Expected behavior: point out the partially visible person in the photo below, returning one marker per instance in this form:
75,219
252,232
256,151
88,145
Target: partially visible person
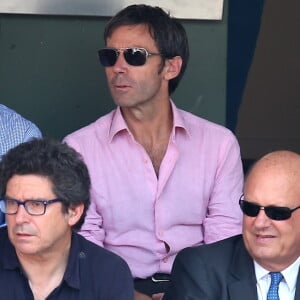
44,189
162,178
263,262
14,129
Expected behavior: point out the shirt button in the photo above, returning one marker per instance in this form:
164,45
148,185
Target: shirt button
165,260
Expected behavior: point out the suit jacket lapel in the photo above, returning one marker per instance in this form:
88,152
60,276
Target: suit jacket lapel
242,284
297,294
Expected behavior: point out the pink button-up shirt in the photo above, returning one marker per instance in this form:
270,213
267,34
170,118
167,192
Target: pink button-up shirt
135,214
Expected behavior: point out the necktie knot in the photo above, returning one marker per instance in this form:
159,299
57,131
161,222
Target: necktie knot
276,277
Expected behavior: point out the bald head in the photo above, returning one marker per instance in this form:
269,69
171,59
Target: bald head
278,170
274,181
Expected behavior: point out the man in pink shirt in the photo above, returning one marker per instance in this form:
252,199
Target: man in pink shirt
162,178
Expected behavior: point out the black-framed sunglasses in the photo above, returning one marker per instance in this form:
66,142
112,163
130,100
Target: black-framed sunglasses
134,56
33,207
277,213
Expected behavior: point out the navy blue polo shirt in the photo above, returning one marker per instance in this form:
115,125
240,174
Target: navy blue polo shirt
92,273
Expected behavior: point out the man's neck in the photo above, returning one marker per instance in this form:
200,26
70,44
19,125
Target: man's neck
151,128
149,122
44,272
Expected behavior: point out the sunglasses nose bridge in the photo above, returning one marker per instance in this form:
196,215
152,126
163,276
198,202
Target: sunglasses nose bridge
261,221
257,210
262,217
260,209
120,58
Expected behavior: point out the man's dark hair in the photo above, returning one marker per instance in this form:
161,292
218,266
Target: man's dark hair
61,164
169,35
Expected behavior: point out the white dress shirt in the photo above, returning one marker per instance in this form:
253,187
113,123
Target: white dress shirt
287,286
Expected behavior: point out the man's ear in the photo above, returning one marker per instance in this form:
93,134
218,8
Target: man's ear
74,214
172,67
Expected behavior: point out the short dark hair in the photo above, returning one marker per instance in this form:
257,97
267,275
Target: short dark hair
169,35
57,161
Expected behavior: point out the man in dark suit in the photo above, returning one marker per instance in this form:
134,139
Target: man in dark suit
247,266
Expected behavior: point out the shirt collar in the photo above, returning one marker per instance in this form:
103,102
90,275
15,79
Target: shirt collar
72,273
118,123
289,274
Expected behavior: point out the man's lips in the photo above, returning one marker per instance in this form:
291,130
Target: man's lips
120,86
23,234
121,83
264,237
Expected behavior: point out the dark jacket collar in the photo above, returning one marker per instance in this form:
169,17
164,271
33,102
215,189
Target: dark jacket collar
243,274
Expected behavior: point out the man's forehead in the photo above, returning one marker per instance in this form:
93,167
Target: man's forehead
29,186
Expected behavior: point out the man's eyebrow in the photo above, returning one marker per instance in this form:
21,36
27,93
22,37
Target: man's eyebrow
5,197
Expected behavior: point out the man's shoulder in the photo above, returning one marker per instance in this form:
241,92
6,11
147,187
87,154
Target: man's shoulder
196,123
216,250
10,114
229,243
102,272
98,127
13,121
97,254
6,110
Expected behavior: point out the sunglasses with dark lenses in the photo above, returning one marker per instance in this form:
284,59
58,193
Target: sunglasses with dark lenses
278,213
134,56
